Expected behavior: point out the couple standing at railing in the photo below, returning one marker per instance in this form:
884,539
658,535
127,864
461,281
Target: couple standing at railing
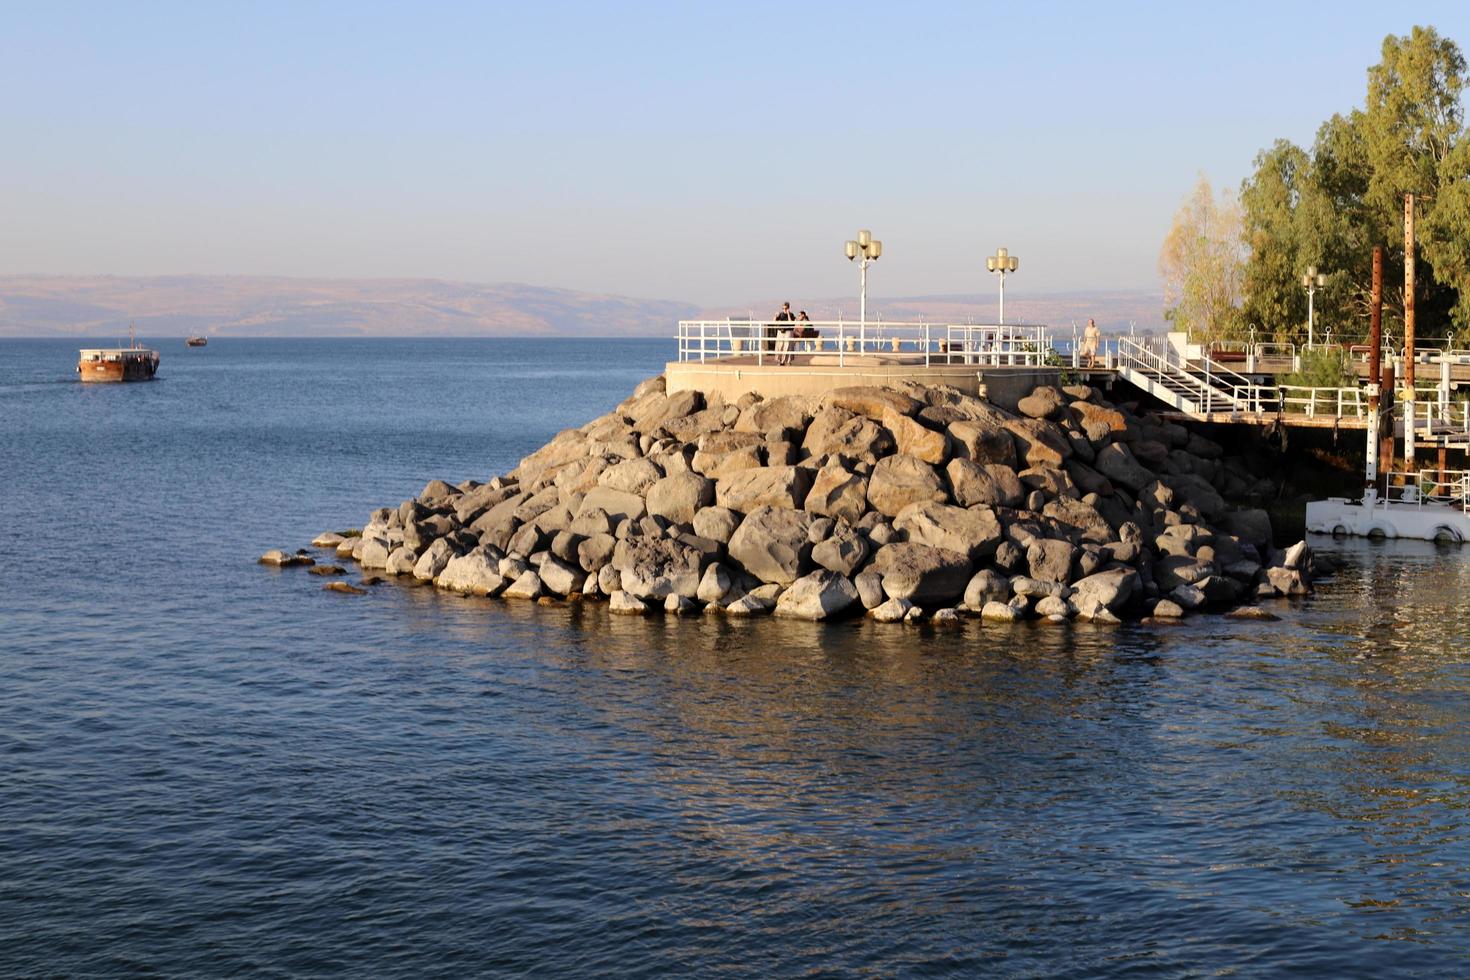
789,326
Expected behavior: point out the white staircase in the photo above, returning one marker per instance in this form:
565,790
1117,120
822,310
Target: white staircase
1210,388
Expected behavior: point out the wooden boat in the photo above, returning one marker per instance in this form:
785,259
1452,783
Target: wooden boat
196,341
131,363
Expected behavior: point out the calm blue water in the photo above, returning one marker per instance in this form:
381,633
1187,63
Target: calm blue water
208,767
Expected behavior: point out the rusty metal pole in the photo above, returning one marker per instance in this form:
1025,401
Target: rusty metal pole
1409,332
1375,366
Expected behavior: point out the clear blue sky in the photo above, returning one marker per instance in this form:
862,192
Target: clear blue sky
708,152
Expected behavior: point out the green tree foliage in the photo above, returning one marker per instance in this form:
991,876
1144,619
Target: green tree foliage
1329,206
1201,263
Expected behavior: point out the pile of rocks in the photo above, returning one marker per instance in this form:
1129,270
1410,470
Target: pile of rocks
908,502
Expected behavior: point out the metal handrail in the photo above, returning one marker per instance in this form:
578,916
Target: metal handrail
1018,344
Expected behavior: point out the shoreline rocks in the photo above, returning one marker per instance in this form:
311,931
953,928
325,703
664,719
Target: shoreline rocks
903,502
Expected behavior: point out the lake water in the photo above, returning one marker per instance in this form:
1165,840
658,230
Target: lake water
209,767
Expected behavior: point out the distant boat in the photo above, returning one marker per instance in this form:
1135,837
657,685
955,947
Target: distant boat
197,341
131,363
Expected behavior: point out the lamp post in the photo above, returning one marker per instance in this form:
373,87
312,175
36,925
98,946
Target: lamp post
869,249
1001,263
1312,280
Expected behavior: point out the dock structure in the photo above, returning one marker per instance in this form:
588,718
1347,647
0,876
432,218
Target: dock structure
1225,383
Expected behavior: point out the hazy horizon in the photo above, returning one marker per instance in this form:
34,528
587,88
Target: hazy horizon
655,150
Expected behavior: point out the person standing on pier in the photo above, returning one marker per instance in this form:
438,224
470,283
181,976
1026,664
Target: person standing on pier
782,331
1090,338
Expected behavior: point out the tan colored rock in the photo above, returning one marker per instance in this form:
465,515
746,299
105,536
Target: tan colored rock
773,544
1038,442
617,504
916,440
983,484
839,494
768,486
680,497
920,573
872,401
974,532
716,465
899,481
983,441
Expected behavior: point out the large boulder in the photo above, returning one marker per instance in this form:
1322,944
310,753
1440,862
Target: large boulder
1109,589
1098,421
431,563
595,551
375,552
920,573
915,439
786,412
1044,402
843,551
716,523
773,544
401,561
1038,442
987,585
1050,560
680,497
1080,519
1174,570
899,481
716,465
970,531
838,493
560,578
1116,462
1196,490
837,431
769,486
1251,524
656,568
983,484
476,573
820,595
619,505
984,440
872,401
631,475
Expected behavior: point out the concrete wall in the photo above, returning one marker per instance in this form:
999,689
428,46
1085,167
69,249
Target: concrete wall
1003,386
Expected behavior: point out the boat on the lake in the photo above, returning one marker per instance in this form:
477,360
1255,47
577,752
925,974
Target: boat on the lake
196,341
130,363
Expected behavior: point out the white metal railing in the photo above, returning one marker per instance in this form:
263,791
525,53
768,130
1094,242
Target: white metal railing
1444,488
1443,421
1215,388
1329,402
768,341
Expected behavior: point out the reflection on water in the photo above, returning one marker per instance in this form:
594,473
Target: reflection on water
212,767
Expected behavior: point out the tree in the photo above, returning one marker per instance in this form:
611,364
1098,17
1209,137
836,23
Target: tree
1330,206
1201,262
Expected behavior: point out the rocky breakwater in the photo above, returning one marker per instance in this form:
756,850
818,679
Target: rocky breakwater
908,502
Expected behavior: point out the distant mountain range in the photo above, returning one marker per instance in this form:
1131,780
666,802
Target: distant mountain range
264,306
268,306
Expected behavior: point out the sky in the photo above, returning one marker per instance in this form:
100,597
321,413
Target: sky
710,153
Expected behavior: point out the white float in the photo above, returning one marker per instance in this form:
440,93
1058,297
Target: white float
1427,508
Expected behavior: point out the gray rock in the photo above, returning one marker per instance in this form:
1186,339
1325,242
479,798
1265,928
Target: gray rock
680,606
750,605
595,551
609,580
528,586
375,552
1288,581
820,595
715,585
974,532
843,552
922,574
773,544
986,585
401,561
1187,597
716,523
1000,612
1172,570
431,563
895,610
654,568
1252,524
1050,560
475,573
870,589
1051,606
1111,588
838,432
1117,463
622,604
560,578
